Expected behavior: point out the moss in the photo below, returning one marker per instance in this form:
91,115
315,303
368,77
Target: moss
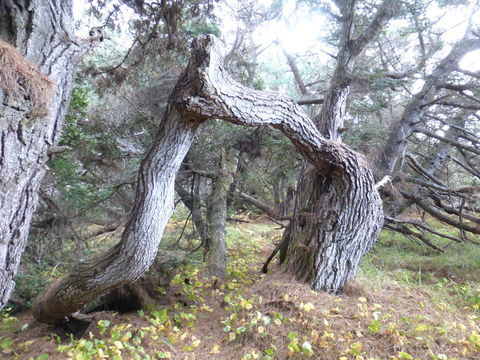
20,79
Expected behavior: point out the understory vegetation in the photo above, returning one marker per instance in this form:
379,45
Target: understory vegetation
301,145
408,302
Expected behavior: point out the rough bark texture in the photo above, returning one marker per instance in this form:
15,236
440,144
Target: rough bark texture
331,231
41,31
216,247
136,251
144,291
352,211
203,92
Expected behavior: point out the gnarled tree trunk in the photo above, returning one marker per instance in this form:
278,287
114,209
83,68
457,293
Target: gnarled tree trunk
31,115
204,92
396,143
330,232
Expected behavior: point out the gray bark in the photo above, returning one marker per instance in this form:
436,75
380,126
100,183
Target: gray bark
42,32
216,247
136,251
192,201
204,92
429,169
409,122
324,241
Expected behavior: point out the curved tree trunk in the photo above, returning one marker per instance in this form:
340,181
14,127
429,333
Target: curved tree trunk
323,245
396,144
136,251
30,117
204,92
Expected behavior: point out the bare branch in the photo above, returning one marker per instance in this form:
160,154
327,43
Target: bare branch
450,141
440,215
310,101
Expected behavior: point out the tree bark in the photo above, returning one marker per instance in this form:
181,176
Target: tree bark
136,251
323,244
41,31
216,247
203,92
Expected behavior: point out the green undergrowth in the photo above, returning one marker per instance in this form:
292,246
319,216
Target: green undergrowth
402,307
453,274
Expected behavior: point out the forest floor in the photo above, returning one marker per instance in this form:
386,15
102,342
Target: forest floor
407,302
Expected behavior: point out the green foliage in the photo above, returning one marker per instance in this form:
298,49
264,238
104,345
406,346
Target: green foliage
33,278
211,26
72,133
289,326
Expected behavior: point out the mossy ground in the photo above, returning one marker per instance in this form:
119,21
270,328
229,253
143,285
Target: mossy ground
408,302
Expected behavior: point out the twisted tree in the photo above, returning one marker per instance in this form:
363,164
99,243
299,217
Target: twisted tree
205,91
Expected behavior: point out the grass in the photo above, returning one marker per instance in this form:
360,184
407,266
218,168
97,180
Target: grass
458,261
406,303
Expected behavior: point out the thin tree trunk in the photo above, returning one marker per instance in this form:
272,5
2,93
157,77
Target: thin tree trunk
396,144
205,91
193,201
216,247
430,167
42,31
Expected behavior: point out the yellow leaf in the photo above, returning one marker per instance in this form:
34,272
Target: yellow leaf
286,297
118,344
126,337
27,343
195,343
245,304
362,299
231,336
308,306
421,327
260,329
215,349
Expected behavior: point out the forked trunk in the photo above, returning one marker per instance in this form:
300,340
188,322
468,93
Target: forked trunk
337,212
